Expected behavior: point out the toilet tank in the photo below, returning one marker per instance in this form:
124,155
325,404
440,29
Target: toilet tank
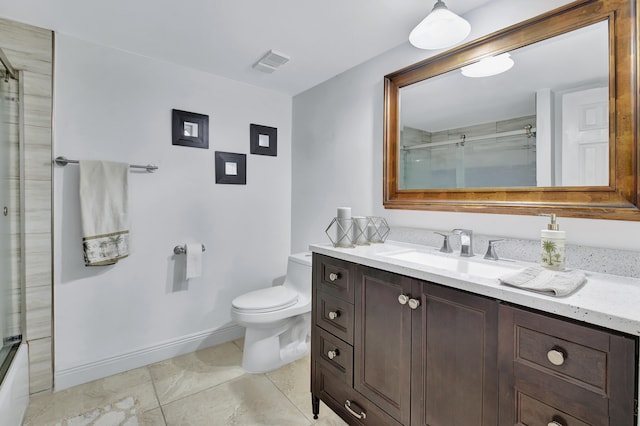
299,273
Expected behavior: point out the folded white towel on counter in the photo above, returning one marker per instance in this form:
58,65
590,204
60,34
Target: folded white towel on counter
104,211
537,278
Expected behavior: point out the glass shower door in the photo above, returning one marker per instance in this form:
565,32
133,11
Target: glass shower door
9,290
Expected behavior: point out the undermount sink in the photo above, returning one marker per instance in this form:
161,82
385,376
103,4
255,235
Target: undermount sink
469,266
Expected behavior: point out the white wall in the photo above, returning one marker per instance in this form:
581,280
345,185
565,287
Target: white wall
116,106
338,152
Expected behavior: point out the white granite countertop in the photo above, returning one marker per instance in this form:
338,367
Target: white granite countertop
609,301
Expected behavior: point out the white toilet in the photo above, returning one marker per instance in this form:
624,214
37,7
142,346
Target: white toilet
277,319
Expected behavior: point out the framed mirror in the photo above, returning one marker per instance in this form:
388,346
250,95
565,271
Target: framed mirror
555,130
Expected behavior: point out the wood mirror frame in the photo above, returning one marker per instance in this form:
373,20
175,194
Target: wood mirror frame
618,201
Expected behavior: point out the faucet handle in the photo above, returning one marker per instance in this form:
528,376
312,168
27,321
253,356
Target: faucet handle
446,247
491,250
459,231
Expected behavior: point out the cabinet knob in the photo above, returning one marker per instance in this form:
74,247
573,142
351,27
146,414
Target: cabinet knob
414,303
556,356
403,299
348,405
334,314
333,276
333,354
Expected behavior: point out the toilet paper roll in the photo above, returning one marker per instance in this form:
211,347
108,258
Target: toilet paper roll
194,260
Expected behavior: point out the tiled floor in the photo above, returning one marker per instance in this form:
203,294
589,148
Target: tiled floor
208,387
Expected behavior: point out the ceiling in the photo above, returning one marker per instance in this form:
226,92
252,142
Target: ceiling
226,37
451,101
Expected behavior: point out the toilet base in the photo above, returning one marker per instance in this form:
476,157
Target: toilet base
267,349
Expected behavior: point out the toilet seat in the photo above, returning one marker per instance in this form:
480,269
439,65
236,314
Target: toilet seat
266,300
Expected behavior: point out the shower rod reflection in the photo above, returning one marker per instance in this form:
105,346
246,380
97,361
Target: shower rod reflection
62,161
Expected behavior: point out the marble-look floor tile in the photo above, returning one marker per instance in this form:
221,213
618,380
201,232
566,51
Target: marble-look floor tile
153,418
191,373
239,343
46,409
251,400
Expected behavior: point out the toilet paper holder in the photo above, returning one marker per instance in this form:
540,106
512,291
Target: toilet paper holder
183,249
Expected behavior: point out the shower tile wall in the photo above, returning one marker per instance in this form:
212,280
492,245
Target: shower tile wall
31,49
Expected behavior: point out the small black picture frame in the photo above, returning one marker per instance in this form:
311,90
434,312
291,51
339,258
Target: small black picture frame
190,129
231,168
263,140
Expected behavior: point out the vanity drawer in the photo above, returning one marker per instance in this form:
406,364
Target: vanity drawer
562,348
565,396
335,315
333,276
334,355
554,355
354,408
532,412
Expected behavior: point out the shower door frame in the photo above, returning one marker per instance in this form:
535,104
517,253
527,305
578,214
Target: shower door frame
12,74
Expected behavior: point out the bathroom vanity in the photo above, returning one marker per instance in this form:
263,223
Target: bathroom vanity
405,335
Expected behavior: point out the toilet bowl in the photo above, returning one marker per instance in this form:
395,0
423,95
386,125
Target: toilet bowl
277,319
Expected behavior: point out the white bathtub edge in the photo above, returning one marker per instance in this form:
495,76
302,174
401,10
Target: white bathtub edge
14,390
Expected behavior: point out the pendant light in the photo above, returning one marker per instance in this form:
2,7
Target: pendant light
440,29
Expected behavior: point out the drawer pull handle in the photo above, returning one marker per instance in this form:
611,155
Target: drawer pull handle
557,421
362,414
333,354
556,356
403,299
414,303
333,276
334,314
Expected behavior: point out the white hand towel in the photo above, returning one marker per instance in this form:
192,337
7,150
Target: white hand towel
104,211
537,278
194,260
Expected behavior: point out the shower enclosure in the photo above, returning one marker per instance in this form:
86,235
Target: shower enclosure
11,294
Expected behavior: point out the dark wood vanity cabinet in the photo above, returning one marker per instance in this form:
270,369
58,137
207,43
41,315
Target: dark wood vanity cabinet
392,350
421,354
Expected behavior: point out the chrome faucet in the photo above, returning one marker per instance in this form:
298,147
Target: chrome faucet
466,241
491,250
446,247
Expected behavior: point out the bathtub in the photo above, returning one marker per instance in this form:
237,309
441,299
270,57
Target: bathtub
14,389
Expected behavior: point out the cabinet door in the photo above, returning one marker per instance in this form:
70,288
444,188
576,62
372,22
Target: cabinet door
382,344
454,362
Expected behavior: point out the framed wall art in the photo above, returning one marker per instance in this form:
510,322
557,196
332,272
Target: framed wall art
231,168
263,140
190,129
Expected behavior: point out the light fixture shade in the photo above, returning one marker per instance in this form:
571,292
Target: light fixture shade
486,67
440,29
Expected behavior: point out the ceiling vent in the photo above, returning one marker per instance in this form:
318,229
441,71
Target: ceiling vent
271,61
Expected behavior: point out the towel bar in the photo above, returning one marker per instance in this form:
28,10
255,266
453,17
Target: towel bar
62,161
183,249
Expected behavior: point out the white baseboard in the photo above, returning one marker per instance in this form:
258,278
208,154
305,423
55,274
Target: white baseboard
69,377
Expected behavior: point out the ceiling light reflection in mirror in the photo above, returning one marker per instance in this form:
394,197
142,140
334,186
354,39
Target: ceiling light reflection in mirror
543,123
486,67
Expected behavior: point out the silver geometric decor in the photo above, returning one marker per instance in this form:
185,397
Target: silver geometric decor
359,230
